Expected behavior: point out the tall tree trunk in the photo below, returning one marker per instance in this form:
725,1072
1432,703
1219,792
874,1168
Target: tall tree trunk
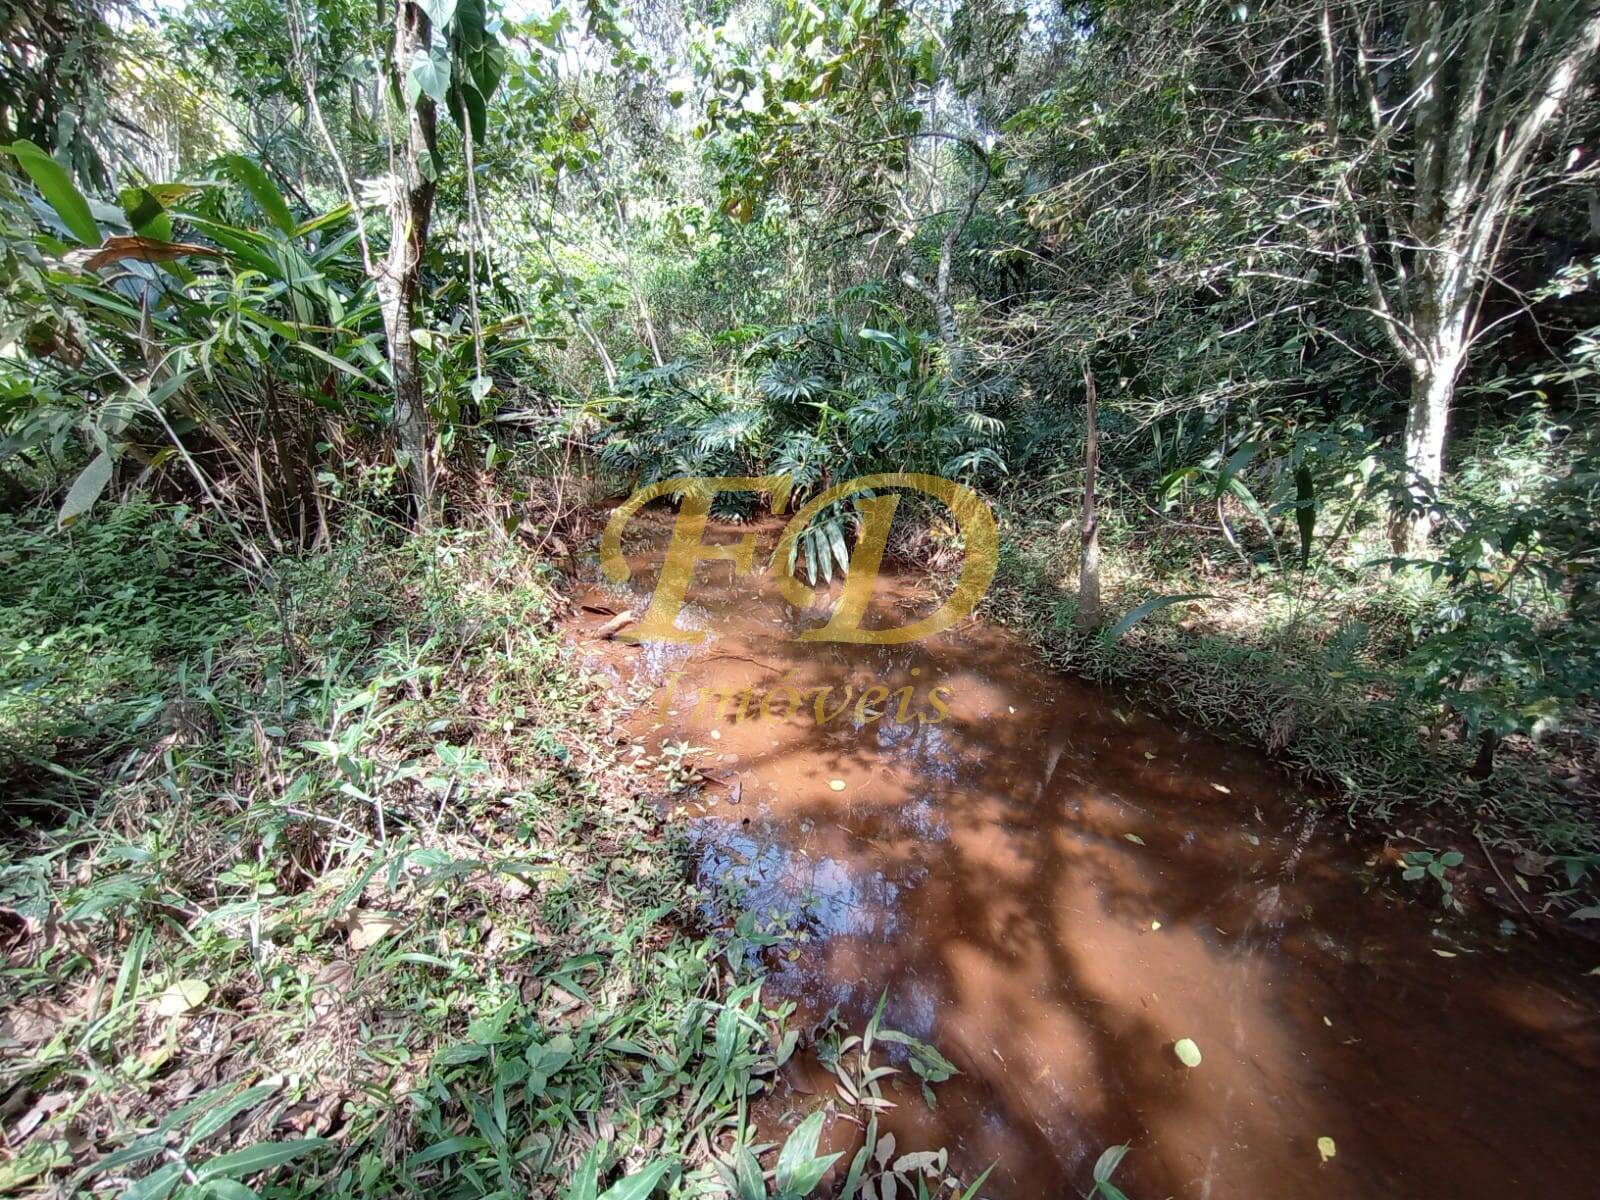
400,274
1433,385
1089,556
1441,333
1486,84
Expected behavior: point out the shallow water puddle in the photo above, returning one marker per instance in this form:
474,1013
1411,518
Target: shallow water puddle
1055,887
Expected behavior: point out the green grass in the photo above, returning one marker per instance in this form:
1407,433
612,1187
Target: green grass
344,885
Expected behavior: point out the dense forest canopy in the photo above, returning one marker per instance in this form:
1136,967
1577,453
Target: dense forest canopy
1271,329
1326,261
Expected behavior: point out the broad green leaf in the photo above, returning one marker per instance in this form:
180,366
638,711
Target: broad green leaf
799,1170
637,1187
215,1119
58,190
1237,461
444,1149
926,1060
250,246
748,1183
241,1164
136,1151
85,489
331,217
585,1184
146,214
439,12
429,74
1305,510
858,1165
336,362
157,1185
1154,605
248,173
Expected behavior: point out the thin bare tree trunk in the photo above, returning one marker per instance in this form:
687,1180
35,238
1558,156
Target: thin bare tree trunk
583,323
400,274
633,282
938,292
1089,557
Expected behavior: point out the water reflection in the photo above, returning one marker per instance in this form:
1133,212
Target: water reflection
1053,887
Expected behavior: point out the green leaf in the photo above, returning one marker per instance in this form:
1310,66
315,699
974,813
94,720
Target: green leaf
444,1149
1153,605
972,1192
241,1164
585,1183
430,74
215,1119
58,190
747,1181
145,213
248,174
1305,510
799,1170
1106,1165
926,1061
439,12
637,1187
335,361
136,1151
858,1165
86,489
248,248
1237,461
228,1189
312,224
1173,479
156,1185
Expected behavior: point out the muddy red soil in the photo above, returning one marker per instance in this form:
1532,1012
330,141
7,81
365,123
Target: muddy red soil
1053,886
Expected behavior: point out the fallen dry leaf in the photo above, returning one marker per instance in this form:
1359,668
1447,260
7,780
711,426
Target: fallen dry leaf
367,928
32,1021
333,980
181,997
49,1103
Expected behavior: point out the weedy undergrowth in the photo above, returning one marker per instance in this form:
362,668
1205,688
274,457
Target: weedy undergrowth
344,885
